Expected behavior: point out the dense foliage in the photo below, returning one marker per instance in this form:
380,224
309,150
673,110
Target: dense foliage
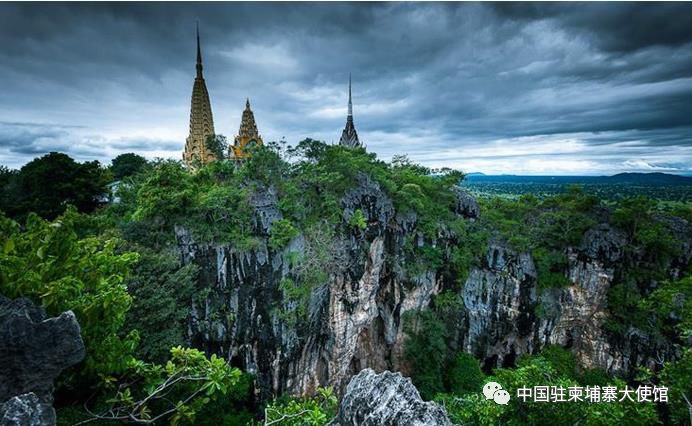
473,408
161,289
47,185
48,263
315,411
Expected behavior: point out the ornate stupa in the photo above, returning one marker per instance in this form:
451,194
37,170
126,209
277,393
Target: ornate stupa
247,135
349,137
201,122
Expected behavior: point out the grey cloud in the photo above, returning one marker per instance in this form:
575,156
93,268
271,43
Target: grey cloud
619,27
426,76
27,138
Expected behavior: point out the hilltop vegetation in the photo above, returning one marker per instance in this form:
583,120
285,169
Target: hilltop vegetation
117,267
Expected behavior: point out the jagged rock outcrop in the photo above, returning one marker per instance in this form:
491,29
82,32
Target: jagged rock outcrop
386,399
26,410
352,319
499,299
466,205
33,351
506,315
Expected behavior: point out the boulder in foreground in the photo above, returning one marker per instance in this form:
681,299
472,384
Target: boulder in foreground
386,399
33,351
26,410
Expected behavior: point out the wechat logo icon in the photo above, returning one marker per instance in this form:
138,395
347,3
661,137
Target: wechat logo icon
494,391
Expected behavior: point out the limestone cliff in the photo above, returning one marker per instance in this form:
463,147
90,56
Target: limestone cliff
353,319
506,315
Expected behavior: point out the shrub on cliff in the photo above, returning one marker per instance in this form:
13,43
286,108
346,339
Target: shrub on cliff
464,375
551,223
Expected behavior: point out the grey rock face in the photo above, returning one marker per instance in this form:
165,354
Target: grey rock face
33,349
507,316
26,410
604,243
682,230
467,205
368,197
352,320
386,399
264,203
500,301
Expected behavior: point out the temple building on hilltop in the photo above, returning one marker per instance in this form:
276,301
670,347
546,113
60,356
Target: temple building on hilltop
196,153
349,137
248,135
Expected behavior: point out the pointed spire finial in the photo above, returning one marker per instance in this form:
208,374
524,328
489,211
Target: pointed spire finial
350,105
247,103
199,55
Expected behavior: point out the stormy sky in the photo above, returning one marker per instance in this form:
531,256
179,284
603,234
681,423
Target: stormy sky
519,88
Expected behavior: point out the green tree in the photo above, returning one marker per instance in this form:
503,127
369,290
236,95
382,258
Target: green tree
222,213
677,375
175,392
538,371
9,190
282,233
128,164
166,195
47,185
551,268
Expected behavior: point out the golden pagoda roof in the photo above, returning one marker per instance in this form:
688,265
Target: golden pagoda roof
247,134
248,127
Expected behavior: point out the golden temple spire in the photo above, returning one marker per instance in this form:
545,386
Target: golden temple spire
196,153
199,55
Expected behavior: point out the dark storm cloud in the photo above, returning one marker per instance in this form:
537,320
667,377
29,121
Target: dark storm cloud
465,85
618,27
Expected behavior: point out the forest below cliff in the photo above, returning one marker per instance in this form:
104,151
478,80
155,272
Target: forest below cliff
252,294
